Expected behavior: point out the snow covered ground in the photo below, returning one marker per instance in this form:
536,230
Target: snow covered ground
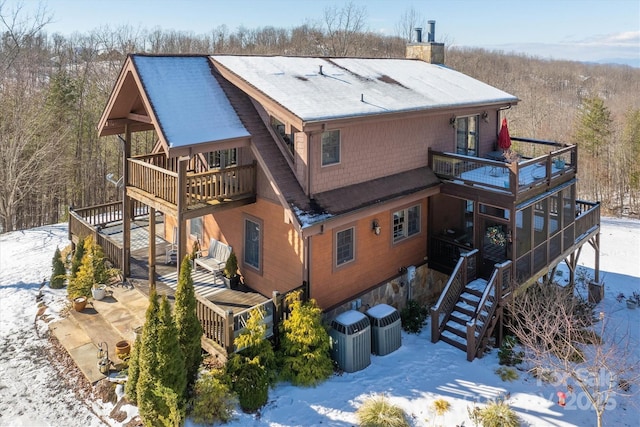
33,391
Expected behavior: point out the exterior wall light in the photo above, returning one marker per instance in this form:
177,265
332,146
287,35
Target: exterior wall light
375,227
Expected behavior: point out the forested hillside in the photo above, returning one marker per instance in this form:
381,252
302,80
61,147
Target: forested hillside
53,89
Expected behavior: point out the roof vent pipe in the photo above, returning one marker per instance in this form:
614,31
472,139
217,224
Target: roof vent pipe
431,37
418,35
321,70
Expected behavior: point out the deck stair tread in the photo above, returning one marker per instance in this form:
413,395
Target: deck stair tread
464,311
453,340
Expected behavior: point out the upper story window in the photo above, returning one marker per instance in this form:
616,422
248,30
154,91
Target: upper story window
281,130
195,228
223,158
344,246
330,147
406,223
467,135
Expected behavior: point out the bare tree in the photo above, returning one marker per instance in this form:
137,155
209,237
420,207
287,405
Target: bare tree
565,344
409,21
343,28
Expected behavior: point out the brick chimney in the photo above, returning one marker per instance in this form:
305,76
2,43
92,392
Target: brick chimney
430,51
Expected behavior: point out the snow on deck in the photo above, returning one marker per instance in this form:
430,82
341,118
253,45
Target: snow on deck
317,89
187,100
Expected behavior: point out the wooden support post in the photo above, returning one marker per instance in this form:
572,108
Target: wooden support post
277,316
596,246
181,208
471,341
152,248
229,332
126,204
435,325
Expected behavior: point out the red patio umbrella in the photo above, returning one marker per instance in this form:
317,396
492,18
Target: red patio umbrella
504,140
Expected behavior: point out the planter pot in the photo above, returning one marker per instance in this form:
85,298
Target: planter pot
79,303
98,292
122,349
631,304
231,282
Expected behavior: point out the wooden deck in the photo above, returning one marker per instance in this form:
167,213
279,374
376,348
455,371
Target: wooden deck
205,284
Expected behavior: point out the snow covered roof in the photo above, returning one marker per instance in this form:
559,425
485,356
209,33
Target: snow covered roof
187,100
316,89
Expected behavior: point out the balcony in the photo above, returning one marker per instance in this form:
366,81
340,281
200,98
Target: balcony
171,188
542,165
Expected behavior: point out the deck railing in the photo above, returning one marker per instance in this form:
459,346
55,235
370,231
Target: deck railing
153,179
512,178
223,326
587,219
196,164
480,326
81,228
108,213
464,271
219,184
217,324
199,188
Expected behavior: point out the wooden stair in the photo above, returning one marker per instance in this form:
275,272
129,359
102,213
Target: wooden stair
455,329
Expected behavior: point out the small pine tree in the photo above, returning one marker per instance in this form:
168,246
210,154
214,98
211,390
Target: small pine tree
171,408
171,368
249,381
76,260
133,372
305,344
253,344
92,270
213,400
58,271
148,362
187,323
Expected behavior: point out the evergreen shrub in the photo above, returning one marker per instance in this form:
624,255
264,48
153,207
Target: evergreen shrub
413,317
304,353
250,381
58,271
213,402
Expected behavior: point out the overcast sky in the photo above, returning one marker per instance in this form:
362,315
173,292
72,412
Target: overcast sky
584,30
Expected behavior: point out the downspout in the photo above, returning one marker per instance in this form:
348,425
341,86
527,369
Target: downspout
309,157
306,273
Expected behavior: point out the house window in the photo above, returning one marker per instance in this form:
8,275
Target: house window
195,228
406,223
467,135
223,158
330,147
252,243
280,129
344,246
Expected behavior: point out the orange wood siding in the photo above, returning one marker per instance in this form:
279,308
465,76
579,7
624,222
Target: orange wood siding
301,166
377,259
373,150
282,249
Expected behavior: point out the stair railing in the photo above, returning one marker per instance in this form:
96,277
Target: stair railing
491,298
452,291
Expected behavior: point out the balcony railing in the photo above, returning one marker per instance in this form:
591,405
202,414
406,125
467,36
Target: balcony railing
199,188
587,219
516,178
